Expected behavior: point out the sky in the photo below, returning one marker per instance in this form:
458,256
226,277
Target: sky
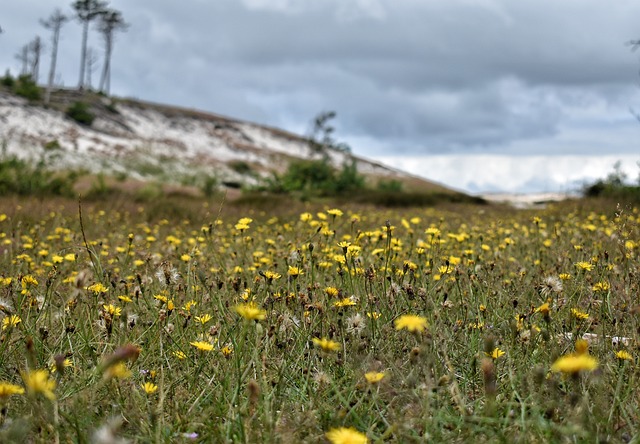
481,95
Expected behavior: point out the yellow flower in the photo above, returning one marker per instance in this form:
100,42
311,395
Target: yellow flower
575,363
226,351
346,302
179,354
204,318
601,286
496,353
10,321
251,312
624,355
374,377
97,288
112,310
346,435
335,212
202,345
295,271
118,371
579,314
587,266
544,309
331,291
411,322
149,388
326,344
7,390
271,275
38,381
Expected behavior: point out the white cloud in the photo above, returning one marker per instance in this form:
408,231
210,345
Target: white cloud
514,174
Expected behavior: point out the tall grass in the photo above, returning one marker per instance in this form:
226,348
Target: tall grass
402,326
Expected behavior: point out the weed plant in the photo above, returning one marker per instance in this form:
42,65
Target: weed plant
332,325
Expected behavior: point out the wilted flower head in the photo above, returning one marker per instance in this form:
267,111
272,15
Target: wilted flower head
550,284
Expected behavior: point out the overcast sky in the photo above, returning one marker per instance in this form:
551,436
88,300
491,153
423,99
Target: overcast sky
413,82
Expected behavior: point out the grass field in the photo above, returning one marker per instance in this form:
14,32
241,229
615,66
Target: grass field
214,323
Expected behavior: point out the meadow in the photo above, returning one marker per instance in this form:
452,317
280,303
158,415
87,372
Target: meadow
318,323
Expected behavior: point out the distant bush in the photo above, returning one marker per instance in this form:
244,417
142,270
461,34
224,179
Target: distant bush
52,145
240,167
316,178
26,87
209,186
393,199
614,186
392,185
79,112
20,177
8,80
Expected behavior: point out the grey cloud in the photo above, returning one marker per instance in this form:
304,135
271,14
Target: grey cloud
414,75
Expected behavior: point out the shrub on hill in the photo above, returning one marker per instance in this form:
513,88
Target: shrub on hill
317,178
79,112
26,87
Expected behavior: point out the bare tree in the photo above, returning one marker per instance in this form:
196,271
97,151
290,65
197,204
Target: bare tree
110,22
92,61
53,23
23,58
86,12
35,47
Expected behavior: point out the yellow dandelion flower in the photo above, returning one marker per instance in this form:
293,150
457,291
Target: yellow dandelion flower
271,275
602,286
226,351
7,390
412,323
10,321
117,371
373,315
112,310
38,381
335,212
179,354
564,276
294,271
204,318
580,315
251,312
544,309
624,355
97,288
575,363
586,266
496,353
326,344
374,377
331,291
346,435
149,388
202,345
346,302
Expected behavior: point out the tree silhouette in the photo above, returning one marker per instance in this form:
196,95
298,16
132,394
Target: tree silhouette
110,22
86,11
53,23
35,48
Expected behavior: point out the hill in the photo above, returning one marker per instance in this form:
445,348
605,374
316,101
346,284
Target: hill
137,140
